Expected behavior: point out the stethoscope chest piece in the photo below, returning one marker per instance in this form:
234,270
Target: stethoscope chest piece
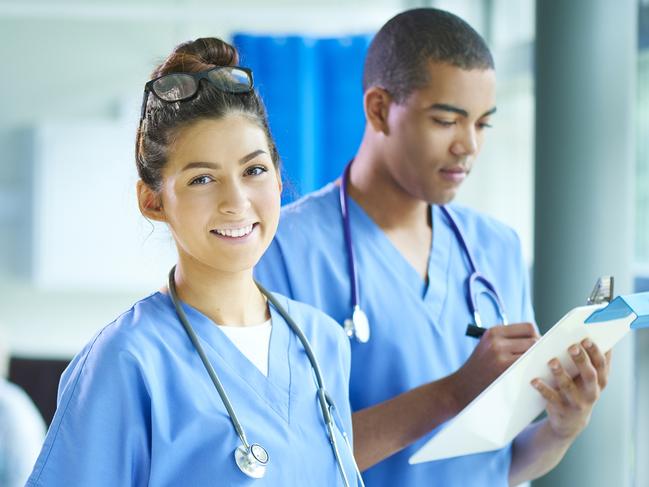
252,461
358,325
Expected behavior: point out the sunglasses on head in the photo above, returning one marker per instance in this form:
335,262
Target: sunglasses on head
183,86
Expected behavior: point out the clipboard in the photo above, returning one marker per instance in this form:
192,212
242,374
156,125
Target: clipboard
496,416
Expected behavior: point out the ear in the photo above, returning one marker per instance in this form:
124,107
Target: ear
150,203
376,103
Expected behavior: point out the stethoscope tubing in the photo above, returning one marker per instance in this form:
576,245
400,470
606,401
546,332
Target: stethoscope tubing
351,259
474,275
206,363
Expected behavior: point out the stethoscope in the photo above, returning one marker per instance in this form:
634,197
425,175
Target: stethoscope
252,458
358,325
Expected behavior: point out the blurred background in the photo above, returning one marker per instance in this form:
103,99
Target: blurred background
566,163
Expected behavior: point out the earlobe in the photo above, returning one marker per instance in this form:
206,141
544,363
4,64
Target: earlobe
149,202
376,103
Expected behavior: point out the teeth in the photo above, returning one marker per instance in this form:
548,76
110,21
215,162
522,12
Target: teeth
235,232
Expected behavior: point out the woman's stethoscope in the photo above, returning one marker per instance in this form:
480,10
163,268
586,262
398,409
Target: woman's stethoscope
252,458
358,325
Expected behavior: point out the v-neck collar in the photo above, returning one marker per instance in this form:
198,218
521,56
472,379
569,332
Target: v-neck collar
273,389
434,292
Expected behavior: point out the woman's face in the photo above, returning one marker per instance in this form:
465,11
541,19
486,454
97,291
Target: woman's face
221,193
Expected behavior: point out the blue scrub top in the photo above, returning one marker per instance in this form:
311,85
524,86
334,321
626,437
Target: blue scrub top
136,407
417,330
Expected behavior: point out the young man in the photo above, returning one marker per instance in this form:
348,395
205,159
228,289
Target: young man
429,95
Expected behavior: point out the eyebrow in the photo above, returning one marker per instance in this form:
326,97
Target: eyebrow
214,165
460,111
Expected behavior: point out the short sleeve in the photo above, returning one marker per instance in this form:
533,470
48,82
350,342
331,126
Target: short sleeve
100,434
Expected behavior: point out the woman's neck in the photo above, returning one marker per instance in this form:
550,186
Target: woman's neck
225,297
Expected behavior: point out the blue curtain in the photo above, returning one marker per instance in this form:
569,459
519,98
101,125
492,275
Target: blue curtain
313,94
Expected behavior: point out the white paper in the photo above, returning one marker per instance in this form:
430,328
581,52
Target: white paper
510,403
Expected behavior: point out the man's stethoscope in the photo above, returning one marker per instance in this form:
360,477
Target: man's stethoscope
252,458
358,325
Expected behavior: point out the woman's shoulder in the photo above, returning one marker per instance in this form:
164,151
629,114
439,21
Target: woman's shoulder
133,335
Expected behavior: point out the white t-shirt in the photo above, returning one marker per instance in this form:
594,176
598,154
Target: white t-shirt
252,341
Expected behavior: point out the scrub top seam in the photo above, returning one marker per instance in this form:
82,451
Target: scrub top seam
379,238
67,404
449,275
292,337
225,364
235,371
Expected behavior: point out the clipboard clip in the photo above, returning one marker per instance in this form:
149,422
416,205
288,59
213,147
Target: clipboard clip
602,292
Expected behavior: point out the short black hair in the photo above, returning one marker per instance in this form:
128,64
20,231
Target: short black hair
398,55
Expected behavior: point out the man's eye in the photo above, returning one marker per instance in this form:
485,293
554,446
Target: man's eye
443,123
201,180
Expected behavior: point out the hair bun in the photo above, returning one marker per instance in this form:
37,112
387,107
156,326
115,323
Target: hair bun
198,55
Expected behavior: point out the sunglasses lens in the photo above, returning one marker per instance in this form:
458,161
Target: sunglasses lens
233,80
175,87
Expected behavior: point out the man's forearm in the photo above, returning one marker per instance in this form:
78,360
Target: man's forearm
388,427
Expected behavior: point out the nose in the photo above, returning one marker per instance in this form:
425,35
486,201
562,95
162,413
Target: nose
466,142
233,198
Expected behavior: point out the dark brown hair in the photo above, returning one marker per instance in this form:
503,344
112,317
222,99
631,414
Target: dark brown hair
163,120
398,55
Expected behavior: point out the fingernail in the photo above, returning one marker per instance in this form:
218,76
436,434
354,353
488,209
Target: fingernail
588,343
535,383
574,350
554,364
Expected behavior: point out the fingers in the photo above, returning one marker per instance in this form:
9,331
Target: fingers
599,360
550,394
565,385
512,339
588,374
518,346
516,330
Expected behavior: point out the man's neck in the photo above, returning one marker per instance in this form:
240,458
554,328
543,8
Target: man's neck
388,204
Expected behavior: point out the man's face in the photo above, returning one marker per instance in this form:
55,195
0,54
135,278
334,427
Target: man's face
434,136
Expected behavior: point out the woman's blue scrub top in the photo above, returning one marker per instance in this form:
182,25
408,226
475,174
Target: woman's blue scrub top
417,329
136,407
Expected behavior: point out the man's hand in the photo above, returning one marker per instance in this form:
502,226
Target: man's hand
499,347
570,402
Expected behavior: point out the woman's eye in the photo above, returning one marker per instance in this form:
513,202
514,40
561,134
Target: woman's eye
255,170
201,180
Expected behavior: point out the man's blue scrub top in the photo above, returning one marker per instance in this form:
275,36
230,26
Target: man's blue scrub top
136,407
417,330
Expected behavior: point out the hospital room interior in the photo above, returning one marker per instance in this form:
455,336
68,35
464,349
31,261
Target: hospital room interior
566,165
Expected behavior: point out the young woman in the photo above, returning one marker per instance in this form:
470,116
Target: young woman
211,381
